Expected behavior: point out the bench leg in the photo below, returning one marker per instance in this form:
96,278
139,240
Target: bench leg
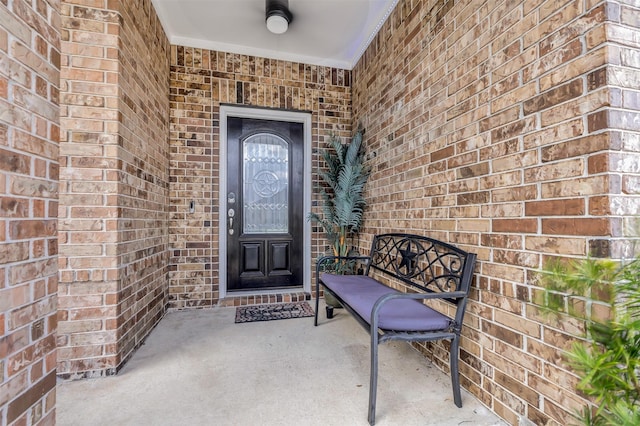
455,377
315,321
373,382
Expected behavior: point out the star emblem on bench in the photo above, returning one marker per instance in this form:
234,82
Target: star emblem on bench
408,260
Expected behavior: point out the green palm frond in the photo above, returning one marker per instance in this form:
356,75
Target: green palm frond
622,415
343,201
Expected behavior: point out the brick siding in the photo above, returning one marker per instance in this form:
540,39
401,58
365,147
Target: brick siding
29,136
114,183
200,81
510,128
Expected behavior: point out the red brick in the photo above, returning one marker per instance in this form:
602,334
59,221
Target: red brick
25,229
501,333
14,162
566,207
527,226
21,404
553,97
529,395
576,147
576,226
14,207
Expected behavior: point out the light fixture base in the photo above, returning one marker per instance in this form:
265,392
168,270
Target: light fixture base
278,16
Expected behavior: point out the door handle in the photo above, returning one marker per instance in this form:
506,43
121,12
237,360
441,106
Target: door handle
231,213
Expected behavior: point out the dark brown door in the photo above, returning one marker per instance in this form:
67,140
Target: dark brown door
264,204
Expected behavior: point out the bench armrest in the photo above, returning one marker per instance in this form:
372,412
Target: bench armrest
327,259
375,312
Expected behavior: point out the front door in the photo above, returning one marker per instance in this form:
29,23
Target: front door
265,214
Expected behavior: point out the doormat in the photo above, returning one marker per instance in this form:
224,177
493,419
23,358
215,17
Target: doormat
274,311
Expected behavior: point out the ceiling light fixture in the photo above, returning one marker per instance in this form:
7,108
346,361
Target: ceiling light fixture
278,15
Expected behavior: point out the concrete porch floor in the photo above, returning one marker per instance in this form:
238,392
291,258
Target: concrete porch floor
200,368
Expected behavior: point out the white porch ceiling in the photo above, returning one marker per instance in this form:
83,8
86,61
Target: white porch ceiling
323,32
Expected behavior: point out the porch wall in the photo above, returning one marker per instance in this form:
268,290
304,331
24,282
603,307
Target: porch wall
114,183
512,130
29,135
200,81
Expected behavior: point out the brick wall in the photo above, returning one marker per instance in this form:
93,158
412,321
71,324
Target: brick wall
510,128
29,135
114,183
200,81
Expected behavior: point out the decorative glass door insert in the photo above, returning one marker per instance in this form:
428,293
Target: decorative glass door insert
266,184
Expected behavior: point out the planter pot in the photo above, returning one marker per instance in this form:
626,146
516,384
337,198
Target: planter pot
331,302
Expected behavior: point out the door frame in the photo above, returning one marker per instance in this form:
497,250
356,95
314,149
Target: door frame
263,114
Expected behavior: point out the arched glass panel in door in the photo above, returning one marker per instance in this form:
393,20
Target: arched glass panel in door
266,184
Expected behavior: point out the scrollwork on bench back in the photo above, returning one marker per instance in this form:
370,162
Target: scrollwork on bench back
421,262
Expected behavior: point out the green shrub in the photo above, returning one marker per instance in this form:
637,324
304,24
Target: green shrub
608,362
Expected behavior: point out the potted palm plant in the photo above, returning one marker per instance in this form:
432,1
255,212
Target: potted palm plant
342,197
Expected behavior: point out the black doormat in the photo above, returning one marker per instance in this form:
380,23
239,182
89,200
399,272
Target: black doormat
274,311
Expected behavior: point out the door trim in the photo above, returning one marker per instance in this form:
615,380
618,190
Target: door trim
263,114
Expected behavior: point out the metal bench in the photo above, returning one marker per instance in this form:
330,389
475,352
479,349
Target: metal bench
387,297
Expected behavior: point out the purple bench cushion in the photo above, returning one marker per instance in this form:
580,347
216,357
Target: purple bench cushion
361,292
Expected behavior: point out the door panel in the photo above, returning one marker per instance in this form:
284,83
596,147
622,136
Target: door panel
279,256
264,217
252,254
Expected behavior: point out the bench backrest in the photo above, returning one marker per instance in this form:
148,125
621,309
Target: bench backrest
423,263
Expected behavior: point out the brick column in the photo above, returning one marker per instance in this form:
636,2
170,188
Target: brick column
114,183
623,121
88,213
